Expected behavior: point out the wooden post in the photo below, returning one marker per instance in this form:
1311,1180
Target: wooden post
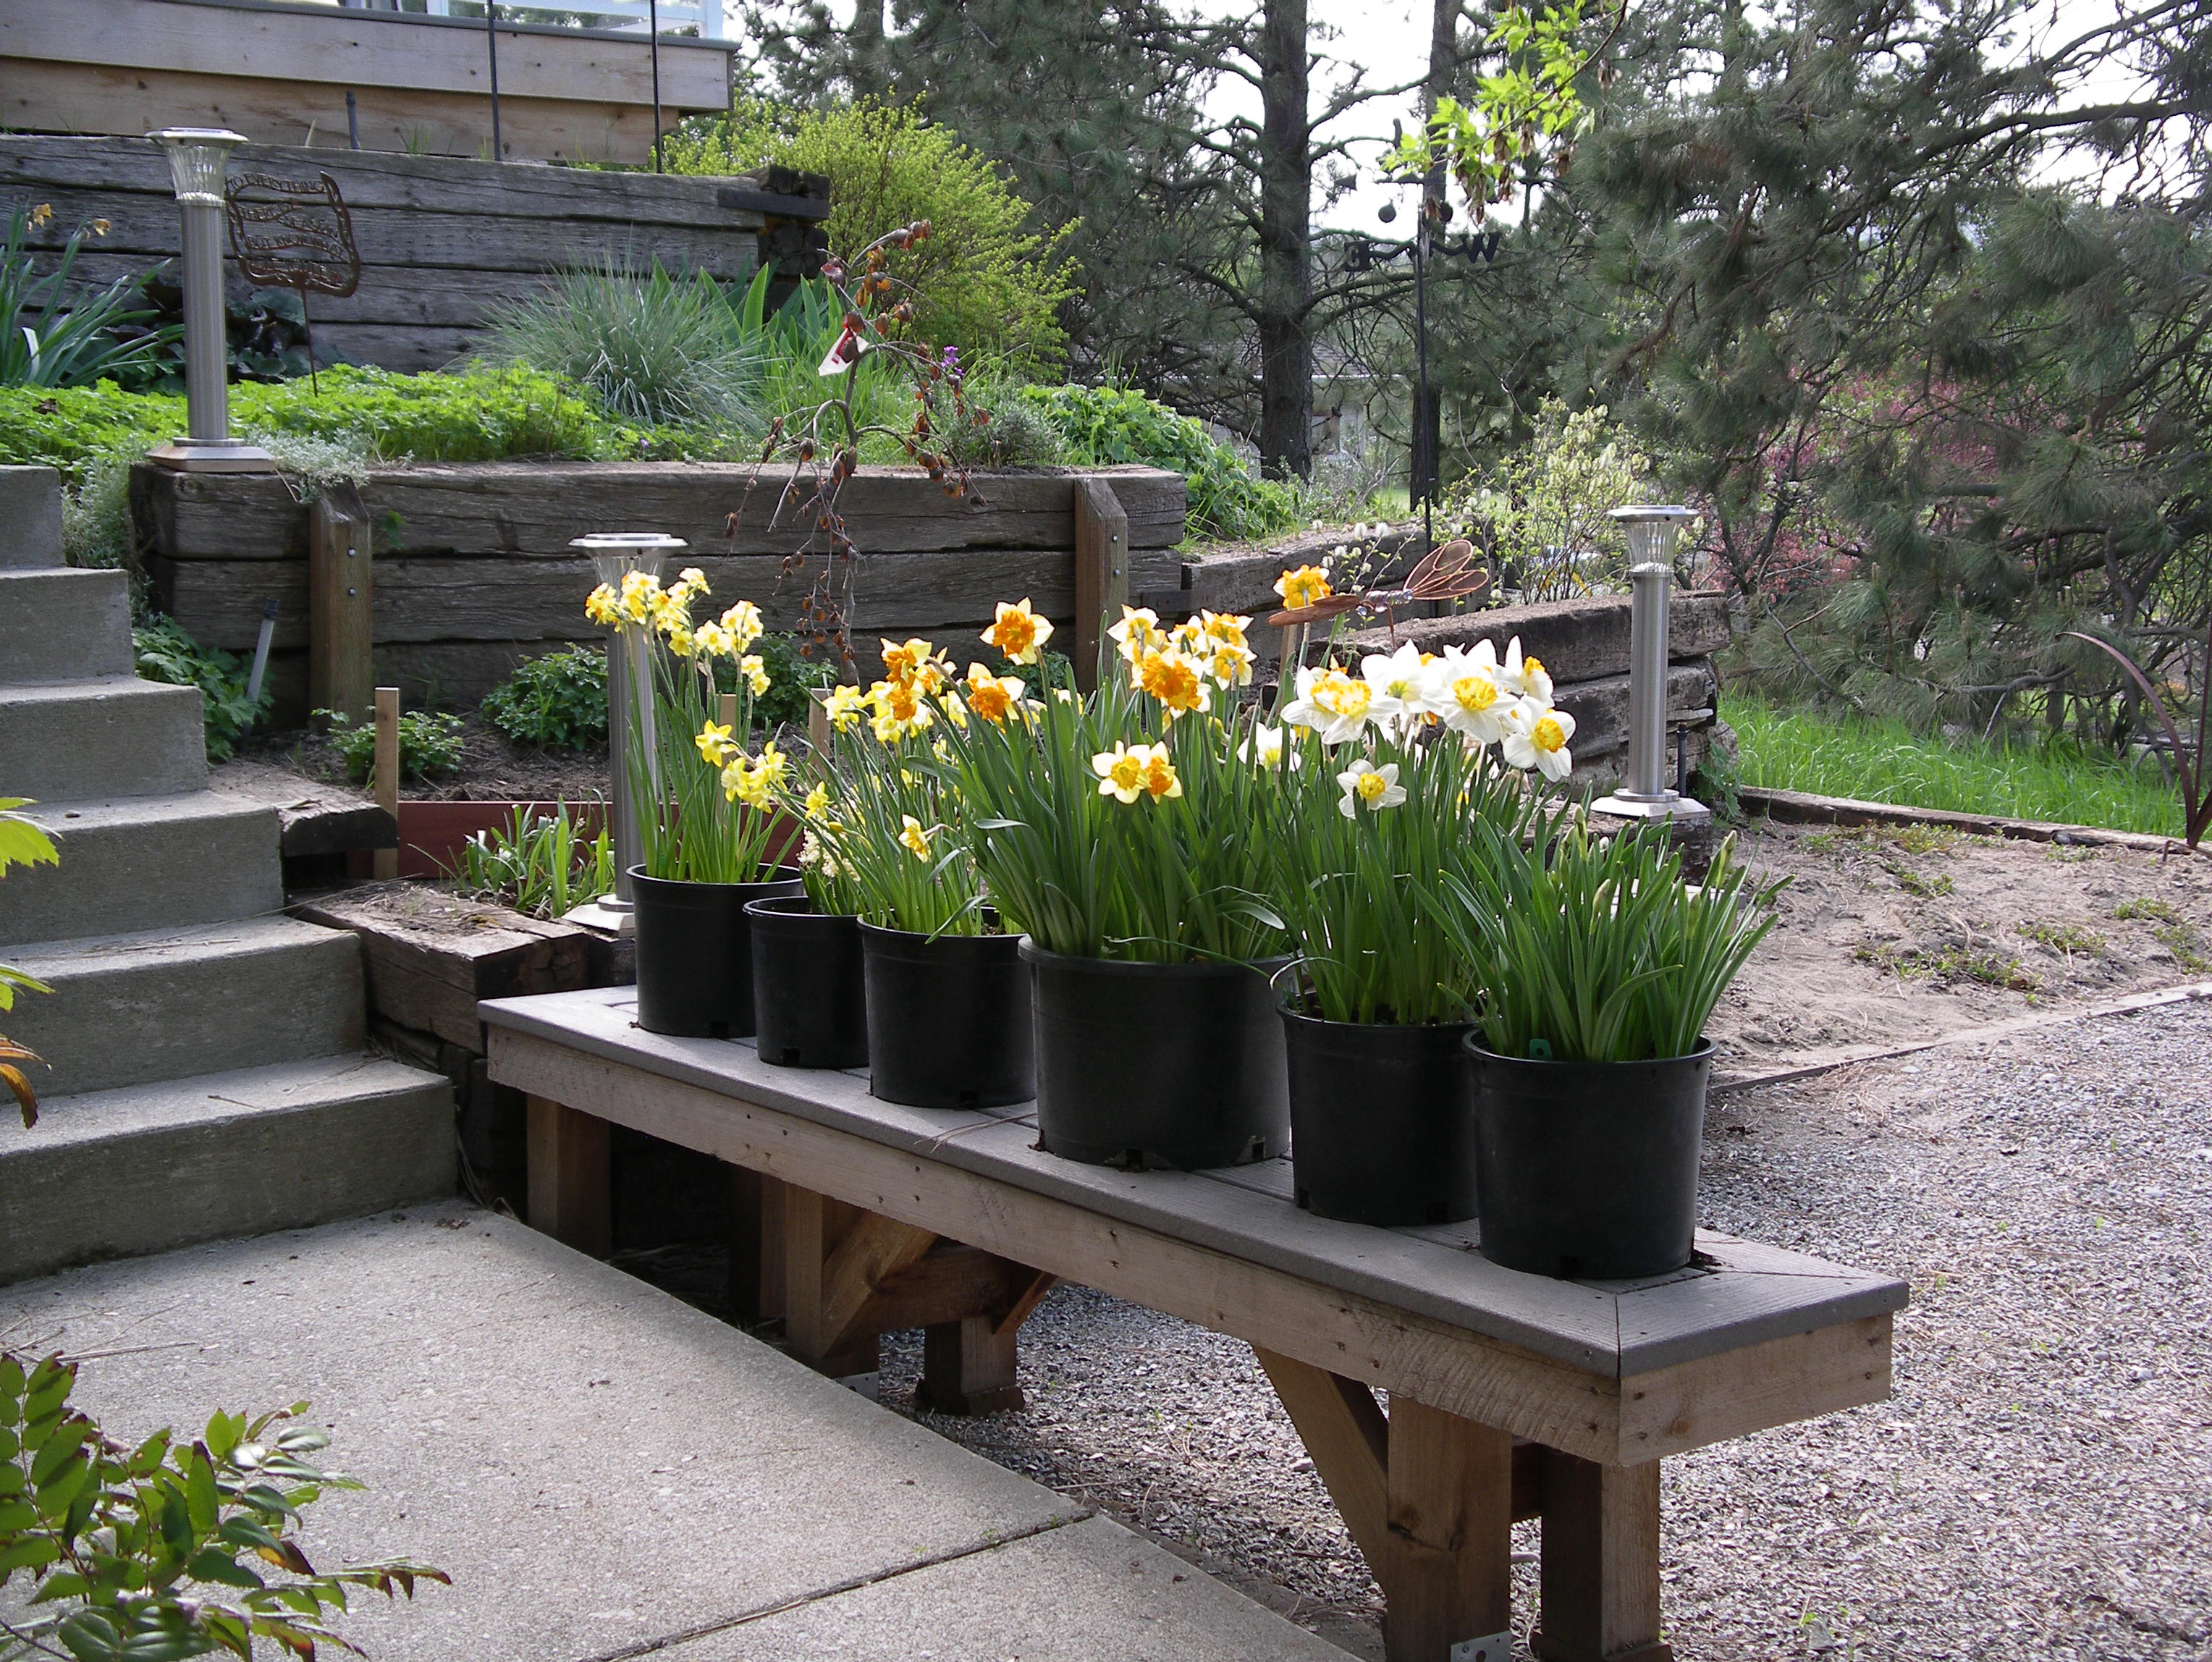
817,729
340,622
1102,571
1601,1562
570,1196
967,1368
1448,1575
387,772
730,715
1428,1499
756,1245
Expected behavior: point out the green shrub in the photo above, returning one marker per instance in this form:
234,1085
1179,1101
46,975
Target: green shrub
790,676
558,702
1105,426
430,743
167,654
987,284
1016,433
655,350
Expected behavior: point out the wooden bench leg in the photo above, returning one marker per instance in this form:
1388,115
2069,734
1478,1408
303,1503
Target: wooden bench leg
1601,1562
1428,1498
835,1257
967,1365
570,1196
756,1245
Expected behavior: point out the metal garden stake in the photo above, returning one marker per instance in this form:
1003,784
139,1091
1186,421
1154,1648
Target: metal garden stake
198,157
1652,532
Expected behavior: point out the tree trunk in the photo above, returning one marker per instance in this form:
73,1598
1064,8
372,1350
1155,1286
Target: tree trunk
1285,245
864,55
1426,469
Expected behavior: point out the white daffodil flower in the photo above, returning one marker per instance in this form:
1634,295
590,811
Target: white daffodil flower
1463,689
1267,748
1332,702
1524,677
1536,736
1401,684
1379,788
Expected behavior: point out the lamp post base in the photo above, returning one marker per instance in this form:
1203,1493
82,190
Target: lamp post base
1667,805
606,914
211,456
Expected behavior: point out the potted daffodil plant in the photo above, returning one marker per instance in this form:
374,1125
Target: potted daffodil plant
705,810
1123,832
1597,967
1393,767
887,839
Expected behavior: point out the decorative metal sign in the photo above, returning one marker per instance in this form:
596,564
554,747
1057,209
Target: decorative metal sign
294,234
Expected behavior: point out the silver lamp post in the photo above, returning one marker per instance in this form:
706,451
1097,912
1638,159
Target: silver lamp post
1652,532
615,555
198,157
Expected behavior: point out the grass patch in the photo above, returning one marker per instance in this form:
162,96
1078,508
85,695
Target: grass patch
1886,761
1914,883
1950,964
2145,911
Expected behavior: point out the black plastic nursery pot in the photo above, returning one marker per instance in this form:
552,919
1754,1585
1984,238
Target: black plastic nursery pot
694,956
1173,1065
948,1019
1382,1120
809,988
1588,1170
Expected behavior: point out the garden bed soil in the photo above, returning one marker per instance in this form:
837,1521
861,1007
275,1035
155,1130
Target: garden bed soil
493,769
1891,936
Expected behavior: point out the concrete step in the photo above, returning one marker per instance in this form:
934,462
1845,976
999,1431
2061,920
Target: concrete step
30,517
121,1173
128,1009
64,626
116,736
145,862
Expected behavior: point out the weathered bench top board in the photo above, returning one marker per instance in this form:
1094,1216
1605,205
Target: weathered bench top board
1739,1294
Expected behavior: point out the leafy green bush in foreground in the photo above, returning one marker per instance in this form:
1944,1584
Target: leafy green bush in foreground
558,702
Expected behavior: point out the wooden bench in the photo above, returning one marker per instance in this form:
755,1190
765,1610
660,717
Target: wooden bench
1510,1396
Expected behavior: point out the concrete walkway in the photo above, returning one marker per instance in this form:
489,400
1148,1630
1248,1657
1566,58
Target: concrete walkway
607,1473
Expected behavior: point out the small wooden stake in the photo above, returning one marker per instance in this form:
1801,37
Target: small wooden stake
387,772
730,715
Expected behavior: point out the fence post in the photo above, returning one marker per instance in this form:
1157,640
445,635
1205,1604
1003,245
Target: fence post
340,622
1102,571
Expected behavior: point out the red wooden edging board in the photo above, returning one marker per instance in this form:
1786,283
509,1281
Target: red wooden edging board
431,833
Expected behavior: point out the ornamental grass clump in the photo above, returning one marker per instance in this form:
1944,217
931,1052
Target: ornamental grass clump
886,835
1594,949
1392,769
1131,824
706,808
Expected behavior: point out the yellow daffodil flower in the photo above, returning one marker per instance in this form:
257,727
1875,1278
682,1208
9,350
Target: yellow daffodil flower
1302,587
817,805
602,606
1129,771
914,836
991,696
1138,632
754,669
744,623
715,744
1018,632
1174,680
844,707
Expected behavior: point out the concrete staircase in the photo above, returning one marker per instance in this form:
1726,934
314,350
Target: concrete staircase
207,1074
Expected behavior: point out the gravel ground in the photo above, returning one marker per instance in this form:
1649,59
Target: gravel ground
2040,1486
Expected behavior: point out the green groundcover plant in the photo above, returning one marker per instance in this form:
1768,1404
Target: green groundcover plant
168,1549
431,742
165,652
556,702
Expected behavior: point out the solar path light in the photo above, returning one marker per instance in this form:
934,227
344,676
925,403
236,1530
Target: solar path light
198,157
1652,532
615,555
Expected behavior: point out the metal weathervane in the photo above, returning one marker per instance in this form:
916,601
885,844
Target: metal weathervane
294,234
